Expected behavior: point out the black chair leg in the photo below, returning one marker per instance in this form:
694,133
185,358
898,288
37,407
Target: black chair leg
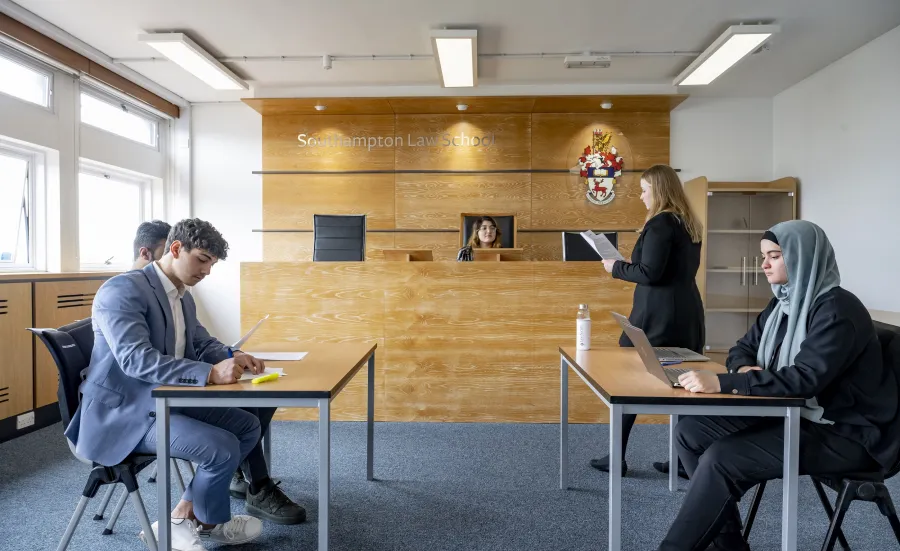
826,504
754,506
848,493
886,506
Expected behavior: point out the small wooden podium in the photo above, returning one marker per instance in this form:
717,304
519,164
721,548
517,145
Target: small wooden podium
496,255
408,255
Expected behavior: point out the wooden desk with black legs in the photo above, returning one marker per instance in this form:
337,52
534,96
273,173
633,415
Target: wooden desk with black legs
618,377
312,382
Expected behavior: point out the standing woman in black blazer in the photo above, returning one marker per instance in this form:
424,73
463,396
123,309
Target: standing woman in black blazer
664,264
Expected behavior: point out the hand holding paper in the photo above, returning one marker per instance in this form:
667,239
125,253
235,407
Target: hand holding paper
601,244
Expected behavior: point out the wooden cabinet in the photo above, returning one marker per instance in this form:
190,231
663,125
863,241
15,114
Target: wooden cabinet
56,304
16,374
734,217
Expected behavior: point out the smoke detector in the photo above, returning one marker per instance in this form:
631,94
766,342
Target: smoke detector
587,61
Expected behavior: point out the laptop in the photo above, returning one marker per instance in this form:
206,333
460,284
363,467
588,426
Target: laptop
668,375
668,353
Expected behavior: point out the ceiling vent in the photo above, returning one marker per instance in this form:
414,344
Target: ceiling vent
587,61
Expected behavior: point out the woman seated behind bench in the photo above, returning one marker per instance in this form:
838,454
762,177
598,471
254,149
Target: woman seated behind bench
485,235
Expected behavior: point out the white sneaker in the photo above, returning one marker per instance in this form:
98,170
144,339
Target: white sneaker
184,535
240,529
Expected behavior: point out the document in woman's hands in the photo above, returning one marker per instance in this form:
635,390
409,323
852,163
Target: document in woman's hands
602,245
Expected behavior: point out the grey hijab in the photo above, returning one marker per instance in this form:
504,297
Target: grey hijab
812,271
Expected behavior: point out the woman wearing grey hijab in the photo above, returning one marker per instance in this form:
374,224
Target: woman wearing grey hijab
814,340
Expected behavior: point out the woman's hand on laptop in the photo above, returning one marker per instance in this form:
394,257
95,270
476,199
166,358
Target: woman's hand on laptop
700,381
250,363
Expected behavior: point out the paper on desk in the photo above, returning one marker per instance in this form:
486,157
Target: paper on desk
278,356
268,371
601,244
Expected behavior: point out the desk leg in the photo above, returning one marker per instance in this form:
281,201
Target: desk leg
267,450
370,421
163,482
673,456
563,425
791,479
615,478
324,471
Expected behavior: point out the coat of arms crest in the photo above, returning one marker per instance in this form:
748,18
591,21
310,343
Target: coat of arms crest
599,165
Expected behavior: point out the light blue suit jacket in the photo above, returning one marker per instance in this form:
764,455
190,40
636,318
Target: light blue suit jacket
134,347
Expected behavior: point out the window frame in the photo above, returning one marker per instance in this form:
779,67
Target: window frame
127,106
145,185
32,65
33,171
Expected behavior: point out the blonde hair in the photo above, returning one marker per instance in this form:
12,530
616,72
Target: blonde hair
475,243
668,196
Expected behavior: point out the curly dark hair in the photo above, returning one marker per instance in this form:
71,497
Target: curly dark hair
194,233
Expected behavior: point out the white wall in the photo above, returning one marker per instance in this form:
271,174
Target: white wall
724,139
838,132
226,146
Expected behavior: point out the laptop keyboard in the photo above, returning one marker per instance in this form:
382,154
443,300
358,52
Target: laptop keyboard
674,372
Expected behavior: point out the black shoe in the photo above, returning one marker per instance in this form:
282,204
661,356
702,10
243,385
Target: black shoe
271,504
663,467
602,464
239,487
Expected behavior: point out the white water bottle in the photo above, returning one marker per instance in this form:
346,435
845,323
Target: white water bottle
583,328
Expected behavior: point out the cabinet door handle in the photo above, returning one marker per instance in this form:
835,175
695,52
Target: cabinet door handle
755,270
743,269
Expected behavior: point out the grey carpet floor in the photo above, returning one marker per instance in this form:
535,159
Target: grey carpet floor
440,486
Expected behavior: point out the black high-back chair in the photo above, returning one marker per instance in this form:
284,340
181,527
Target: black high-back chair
850,487
339,238
70,347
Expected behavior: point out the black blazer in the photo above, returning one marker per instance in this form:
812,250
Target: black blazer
667,304
840,364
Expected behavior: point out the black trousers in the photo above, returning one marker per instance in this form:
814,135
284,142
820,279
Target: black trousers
726,456
254,466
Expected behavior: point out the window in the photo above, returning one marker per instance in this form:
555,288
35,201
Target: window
107,113
16,201
111,205
24,81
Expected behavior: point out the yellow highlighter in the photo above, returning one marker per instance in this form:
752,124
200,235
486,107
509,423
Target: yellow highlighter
265,378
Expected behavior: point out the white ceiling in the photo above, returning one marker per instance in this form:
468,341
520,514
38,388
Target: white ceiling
814,33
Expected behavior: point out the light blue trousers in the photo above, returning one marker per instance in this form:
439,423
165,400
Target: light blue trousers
217,440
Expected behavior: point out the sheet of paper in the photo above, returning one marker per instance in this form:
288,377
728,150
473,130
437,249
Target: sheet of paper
249,334
269,370
278,356
602,245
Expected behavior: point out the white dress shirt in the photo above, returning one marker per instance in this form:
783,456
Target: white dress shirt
174,296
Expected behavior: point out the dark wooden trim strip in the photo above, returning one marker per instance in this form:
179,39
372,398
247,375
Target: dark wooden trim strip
625,230
36,41
458,172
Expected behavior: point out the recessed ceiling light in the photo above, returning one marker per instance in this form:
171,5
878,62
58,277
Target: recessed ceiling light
183,51
606,105
462,106
727,50
320,107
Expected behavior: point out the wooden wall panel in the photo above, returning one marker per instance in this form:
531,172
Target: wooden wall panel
510,148
626,243
290,201
298,247
282,151
57,304
558,202
16,371
641,138
434,201
457,341
444,246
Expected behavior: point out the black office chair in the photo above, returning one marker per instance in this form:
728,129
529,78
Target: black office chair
70,346
852,487
339,238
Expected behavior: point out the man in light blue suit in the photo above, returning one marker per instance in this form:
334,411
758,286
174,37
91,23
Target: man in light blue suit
146,334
